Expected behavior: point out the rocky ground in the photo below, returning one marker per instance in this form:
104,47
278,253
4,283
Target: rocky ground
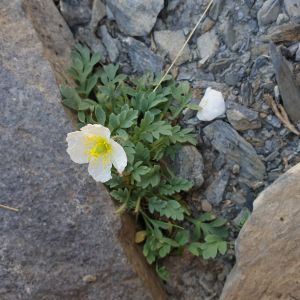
247,148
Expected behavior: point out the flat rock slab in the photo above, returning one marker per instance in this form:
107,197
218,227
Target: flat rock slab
141,57
289,89
267,248
65,229
235,149
135,17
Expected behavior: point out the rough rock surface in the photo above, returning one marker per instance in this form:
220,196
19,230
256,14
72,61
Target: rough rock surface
267,248
242,118
98,13
65,228
293,8
172,41
214,193
135,17
208,43
141,57
236,150
188,164
269,12
289,89
109,43
76,12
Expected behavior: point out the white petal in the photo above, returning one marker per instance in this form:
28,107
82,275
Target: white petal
98,172
118,156
97,130
76,147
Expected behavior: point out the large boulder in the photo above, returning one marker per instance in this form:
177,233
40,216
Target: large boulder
267,249
64,242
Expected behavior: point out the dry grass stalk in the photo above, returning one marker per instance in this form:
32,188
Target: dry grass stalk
14,209
280,113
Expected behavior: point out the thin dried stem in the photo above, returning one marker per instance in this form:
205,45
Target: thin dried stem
14,209
281,115
207,8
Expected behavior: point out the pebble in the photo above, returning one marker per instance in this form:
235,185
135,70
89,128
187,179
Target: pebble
236,169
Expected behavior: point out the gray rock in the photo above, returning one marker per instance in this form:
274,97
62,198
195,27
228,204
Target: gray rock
227,33
289,89
92,41
109,43
65,228
246,93
207,25
236,169
272,156
172,5
188,165
135,17
236,150
293,8
220,65
249,3
297,58
98,13
208,44
141,57
216,9
269,256
282,18
274,121
214,193
242,118
110,15
289,34
231,79
76,12
269,12
241,216
172,41
258,49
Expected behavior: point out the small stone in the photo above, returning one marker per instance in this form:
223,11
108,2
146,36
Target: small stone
109,43
172,41
110,15
263,115
297,58
207,25
188,164
208,44
220,65
235,149
236,169
92,41
274,121
135,17
241,216
214,193
89,278
206,206
98,13
269,12
282,18
231,78
212,105
272,156
216,9
172,5
141,57
76,12
242,118
293,8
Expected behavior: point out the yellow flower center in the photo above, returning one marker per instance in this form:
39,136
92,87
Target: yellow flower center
100,148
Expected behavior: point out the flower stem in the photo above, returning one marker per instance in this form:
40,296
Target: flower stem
124,205
138,205
228,243
168,169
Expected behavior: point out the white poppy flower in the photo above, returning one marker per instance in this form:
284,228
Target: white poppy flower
93,145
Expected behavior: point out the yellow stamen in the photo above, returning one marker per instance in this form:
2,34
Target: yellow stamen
85,144
89,158
92,164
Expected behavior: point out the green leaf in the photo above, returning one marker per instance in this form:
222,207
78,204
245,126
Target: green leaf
72,98
113,122
156,204
196,234
212,238
195,248
152,177
160,224
80,125
176,94
170,242
142,153
120,194
164,250
181,185
164,188
223,247
218,223
100,115
115,181
91,83
139,170
182,237
162,273
172,210
81,116
122,133
194,106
